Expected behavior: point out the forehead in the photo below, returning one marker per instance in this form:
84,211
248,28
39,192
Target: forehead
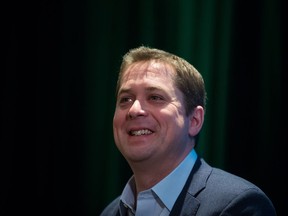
143,69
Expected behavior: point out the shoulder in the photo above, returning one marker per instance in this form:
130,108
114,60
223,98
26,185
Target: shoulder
112,208
221,181
218,178
227,192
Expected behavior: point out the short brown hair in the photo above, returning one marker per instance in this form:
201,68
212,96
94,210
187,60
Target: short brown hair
188,80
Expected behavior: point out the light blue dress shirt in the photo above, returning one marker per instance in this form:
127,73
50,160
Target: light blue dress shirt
159,199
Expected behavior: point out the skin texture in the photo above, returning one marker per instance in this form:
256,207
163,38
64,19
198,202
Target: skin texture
150,125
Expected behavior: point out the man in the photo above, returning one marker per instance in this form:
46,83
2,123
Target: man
159,113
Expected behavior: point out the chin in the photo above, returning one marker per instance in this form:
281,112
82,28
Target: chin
137,158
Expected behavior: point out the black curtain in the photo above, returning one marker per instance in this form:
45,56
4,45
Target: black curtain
61,60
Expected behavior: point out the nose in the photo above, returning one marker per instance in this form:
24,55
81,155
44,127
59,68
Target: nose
136,110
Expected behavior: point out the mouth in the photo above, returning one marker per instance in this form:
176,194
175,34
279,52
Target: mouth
140,132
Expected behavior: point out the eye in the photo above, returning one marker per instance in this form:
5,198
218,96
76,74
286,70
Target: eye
124,100
156,98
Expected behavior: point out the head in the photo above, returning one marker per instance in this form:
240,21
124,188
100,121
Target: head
187,79
160,105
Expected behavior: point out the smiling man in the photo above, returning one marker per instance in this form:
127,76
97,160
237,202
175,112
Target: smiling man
159,113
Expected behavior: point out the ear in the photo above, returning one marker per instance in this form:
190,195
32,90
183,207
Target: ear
196,121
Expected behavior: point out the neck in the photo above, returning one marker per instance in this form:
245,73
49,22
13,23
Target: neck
147,178
149,173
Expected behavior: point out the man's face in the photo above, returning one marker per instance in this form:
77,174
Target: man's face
149,120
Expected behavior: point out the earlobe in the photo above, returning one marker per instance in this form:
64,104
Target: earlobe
196,121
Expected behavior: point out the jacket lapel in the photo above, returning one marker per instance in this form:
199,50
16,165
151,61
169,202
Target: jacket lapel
190,206
200,174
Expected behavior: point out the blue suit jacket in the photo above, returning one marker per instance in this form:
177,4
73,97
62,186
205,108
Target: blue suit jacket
213,191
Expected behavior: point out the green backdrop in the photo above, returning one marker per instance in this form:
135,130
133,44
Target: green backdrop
61,65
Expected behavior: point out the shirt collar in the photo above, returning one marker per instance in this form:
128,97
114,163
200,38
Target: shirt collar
171,186
127,196
168,189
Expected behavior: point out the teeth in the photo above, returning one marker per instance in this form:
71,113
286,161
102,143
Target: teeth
140,132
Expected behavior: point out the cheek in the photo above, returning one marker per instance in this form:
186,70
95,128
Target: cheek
176,124
116,129
118,118
118,123
173,116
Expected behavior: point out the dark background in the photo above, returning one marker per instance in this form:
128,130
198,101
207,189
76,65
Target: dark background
61,60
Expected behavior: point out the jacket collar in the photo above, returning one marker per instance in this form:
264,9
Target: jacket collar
201,173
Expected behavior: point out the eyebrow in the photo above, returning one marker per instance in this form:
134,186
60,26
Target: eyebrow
153,88
147,89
